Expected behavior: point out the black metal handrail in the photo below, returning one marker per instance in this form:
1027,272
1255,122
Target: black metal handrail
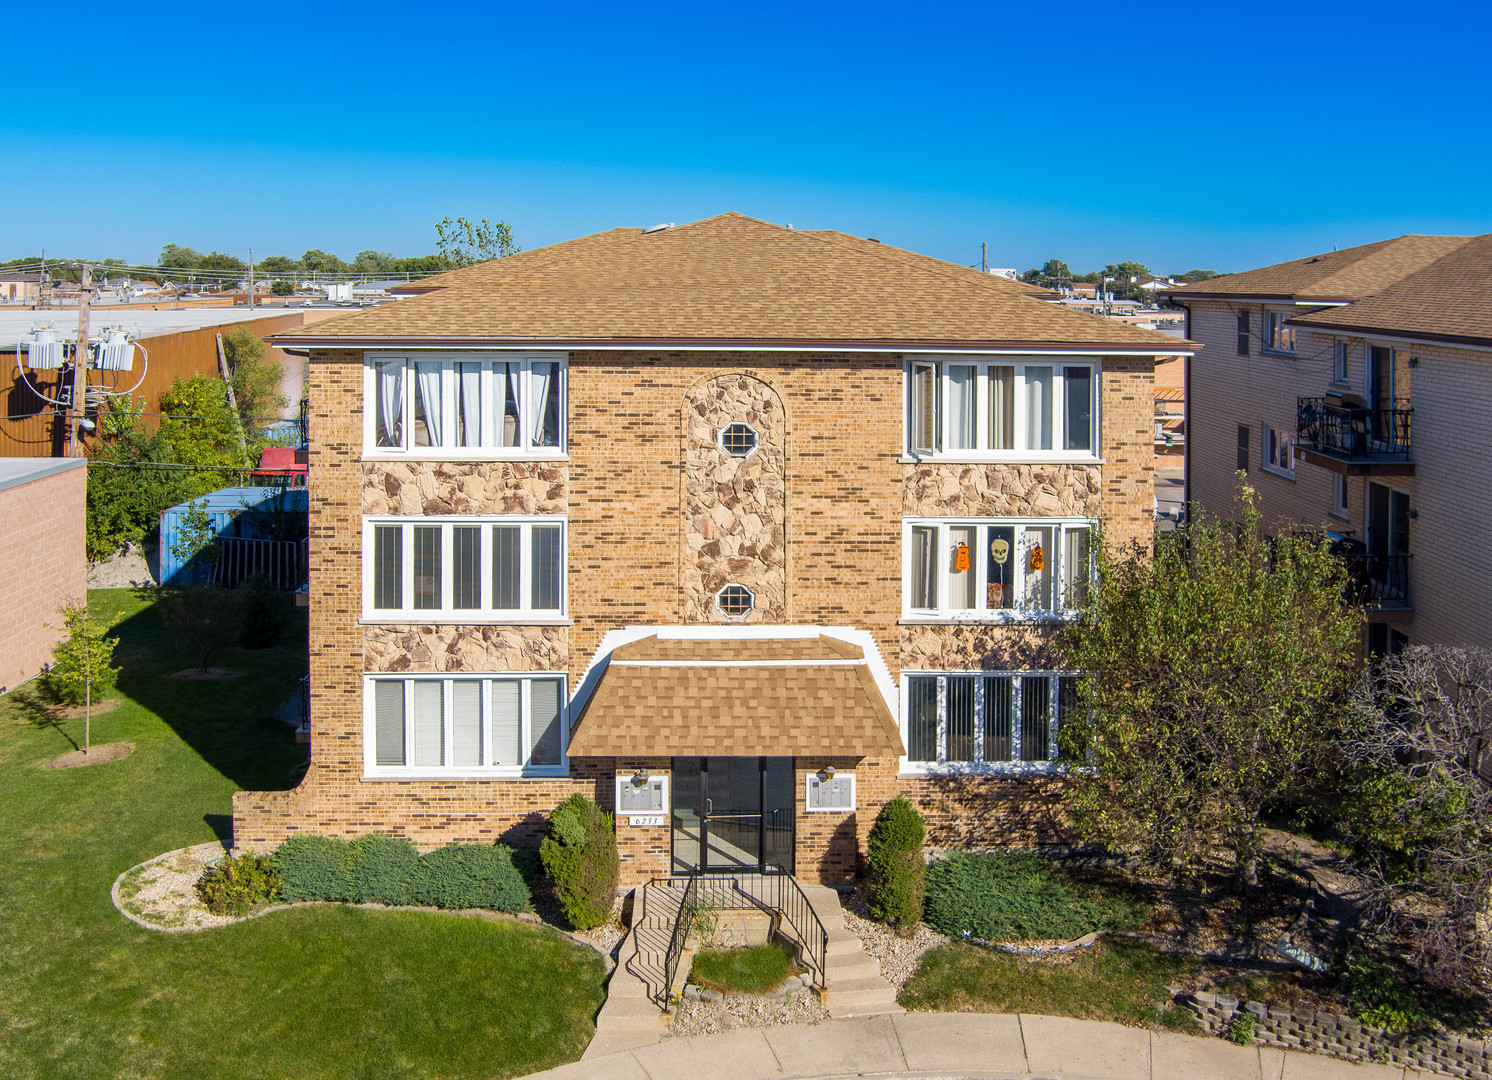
1350,431
688,907
782,893
1377,581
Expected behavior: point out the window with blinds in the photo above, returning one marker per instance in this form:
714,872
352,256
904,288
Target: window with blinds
1001,569
1008,409
464,569
509,725
985,720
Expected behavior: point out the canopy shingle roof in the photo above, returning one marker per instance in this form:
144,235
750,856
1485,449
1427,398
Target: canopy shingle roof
781,697
1450,300
1335,276
726,281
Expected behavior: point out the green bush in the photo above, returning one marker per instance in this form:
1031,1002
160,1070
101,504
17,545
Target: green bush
378,869
472,875
1241,1029
1015,896
237,886
580,857
308,866
1379,996
897,871
265,613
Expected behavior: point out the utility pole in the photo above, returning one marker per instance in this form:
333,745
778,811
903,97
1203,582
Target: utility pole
80,368
251,277
984,256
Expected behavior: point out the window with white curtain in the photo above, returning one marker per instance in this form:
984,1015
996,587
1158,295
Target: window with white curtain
1002,409
463,568
995,569
984,720
468,724
475,405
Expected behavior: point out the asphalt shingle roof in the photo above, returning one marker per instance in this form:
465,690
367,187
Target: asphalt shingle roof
729,280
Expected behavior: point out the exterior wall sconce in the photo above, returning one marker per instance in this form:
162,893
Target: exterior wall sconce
826,773
640,778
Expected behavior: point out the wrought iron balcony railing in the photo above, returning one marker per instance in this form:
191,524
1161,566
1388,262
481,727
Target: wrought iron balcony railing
1351,432
1378,581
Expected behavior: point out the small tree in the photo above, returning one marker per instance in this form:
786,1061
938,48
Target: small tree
203,621
896,868
580,856
196,544
1420,808
256,378
83,662
1218,677
462,242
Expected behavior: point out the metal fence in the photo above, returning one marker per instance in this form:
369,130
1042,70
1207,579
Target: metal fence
1348,431
285,562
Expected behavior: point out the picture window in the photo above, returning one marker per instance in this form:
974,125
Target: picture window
1002,409
466,407
995,569
988,720
466,724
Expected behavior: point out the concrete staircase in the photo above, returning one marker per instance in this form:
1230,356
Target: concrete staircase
631,1016
853,982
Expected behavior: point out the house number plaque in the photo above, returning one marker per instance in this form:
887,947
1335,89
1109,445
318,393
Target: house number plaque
645,819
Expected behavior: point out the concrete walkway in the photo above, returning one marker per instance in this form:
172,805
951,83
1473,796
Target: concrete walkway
974,1046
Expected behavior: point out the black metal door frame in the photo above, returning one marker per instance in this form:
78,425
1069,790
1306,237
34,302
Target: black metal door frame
704,805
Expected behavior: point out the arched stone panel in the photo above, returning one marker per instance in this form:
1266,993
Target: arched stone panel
734,508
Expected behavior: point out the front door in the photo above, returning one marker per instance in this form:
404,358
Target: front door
733,813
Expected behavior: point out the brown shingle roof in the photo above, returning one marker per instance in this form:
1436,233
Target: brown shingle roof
1335,275
1450,300
682,697
728,280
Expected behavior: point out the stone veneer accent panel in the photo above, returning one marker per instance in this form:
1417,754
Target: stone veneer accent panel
440,487
735,509
465,648
1000,490
1020,647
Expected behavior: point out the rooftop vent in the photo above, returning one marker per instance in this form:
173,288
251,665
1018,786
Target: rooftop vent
657,228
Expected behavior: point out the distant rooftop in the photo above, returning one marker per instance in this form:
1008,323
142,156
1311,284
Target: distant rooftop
15,322
15,471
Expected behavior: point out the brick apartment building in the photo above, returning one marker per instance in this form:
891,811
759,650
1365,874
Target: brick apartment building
1355,388
41,549
736,529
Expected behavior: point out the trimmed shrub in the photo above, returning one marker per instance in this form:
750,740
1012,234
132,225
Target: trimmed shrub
308,866
266,613
378,868
896,869
580,857
237,886
471,875
1015,896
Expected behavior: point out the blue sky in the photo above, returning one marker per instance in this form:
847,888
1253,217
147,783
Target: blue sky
1216,135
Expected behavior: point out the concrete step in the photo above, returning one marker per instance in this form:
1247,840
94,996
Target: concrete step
866,996
845,969
841,1010
848,945
615,1042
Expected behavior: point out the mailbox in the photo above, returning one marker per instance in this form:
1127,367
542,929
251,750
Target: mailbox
649,797
832,794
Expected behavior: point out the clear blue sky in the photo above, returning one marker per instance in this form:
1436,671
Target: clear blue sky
1195,134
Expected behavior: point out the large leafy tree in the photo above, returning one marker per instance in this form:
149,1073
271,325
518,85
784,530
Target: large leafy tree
322,262
463,242
256,378
1218,679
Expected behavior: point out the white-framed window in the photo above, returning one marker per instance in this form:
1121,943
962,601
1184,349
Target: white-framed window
994,721
465,725
1279,450
1277,336
998,569
1339,360
1007,408
464,568
465,406
1339,496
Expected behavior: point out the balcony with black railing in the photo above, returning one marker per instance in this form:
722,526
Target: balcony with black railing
1377,582
1351,439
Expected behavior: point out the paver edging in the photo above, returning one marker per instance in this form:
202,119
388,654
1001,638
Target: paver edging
473,913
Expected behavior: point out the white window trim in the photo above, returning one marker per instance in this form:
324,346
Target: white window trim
1343,376
942,453
373,771
944,767
808,806
720,608
756,440
980,567
525,615
1266,343
623,780
1267,458
373,452
1339,507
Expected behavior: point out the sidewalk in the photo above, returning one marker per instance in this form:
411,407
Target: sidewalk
972,1046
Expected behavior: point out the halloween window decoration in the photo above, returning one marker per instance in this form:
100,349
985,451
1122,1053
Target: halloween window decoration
997,569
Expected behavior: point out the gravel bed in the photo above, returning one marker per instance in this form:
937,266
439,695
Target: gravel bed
897,955
163,893
745,1011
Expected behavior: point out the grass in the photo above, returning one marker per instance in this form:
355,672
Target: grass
750,970
311,993
1020,896
1117,979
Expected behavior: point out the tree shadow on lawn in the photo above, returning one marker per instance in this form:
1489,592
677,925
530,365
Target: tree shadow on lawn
230,723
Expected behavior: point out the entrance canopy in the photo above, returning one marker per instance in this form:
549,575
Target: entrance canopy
793,696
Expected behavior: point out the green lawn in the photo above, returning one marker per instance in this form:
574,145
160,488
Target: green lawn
751,970
315,992
1117,979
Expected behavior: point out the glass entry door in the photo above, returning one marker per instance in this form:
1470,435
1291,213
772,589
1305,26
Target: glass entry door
733,813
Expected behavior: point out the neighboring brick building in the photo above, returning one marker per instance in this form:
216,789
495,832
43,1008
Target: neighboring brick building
41,550
728,526
1355,387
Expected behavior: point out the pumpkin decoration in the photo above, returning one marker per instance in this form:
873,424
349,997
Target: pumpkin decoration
1038,559
960,558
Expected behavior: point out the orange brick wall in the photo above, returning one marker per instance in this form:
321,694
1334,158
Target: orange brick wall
41,549
623,489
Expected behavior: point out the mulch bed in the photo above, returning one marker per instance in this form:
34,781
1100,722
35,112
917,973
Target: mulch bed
96,755
77,712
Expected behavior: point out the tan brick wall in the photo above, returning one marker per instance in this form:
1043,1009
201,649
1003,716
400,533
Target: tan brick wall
1451,394
41,549
624,490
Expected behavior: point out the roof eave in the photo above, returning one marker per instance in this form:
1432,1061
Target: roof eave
1168,347
1263,297
1384,332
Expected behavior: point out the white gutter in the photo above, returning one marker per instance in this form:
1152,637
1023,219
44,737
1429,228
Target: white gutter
1161,349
